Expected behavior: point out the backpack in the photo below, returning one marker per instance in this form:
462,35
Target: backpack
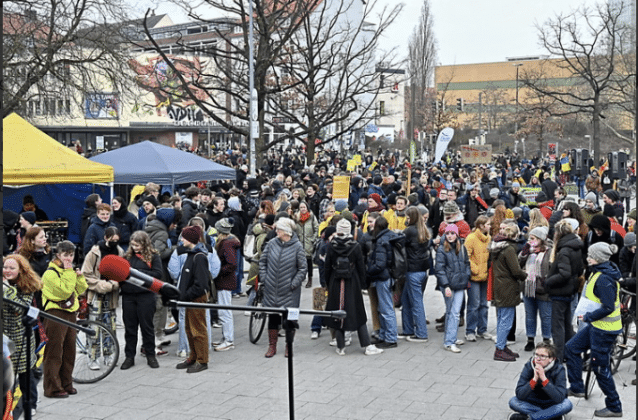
342,266
399,264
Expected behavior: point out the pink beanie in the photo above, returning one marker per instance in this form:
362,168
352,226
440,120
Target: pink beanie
452,228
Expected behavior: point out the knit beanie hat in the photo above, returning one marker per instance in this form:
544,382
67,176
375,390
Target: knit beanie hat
630,239
612,194
452,228
165,215
540,232
341,205
541,197
575,224
600,222
632,214
516,185
29,216
192,234
269,219
284,206
234,203
286,225
591,196
225,225
422,209
450,207
347,214
608,210
151,199
376,197
601,251
343,228
329,231
518,212
494,192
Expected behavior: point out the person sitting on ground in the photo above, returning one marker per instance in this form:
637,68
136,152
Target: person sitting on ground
541,391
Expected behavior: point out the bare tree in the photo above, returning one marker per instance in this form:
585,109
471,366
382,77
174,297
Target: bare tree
421,63
328,76
56,52
586,43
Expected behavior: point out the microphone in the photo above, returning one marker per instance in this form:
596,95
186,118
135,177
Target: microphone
118,269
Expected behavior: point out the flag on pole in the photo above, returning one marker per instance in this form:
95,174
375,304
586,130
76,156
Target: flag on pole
445,136
603,168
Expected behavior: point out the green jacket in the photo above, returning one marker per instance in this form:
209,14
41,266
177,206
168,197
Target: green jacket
62,285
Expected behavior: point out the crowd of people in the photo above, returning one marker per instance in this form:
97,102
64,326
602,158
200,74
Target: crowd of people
469,227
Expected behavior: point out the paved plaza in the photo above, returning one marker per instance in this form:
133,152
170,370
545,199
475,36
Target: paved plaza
412,381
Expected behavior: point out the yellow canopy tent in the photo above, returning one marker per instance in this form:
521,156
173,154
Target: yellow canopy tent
32,157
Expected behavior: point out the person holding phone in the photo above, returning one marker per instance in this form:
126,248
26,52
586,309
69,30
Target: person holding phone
541,391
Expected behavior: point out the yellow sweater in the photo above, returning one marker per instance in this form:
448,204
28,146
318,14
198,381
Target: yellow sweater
476,244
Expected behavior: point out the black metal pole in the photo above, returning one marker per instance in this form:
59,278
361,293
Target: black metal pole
290,335
35,312
28,323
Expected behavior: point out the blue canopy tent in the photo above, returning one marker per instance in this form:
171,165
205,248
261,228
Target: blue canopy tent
147,161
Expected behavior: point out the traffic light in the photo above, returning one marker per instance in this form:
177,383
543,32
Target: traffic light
460,104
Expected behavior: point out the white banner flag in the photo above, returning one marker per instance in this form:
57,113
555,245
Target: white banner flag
445,136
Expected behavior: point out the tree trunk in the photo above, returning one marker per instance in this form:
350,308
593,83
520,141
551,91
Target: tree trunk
596,133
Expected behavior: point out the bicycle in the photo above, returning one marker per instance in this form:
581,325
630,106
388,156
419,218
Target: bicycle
625,345
96,356
257,319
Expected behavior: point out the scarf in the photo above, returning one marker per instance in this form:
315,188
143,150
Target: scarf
121,212
303,217
400,213
378,208
533,268
141,257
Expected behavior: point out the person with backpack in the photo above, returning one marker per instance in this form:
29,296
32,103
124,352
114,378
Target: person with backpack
378,271
417,247
308,229
453,277
343,265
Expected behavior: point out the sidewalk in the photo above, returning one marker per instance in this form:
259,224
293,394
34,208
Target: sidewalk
412,381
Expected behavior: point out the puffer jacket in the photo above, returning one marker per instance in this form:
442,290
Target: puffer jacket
308,233
62,285
418,254
477,245
452,269
282,268
158,232
380,257
507,273
553,393
562,279
97,285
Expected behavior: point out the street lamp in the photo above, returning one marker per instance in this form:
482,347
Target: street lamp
517,65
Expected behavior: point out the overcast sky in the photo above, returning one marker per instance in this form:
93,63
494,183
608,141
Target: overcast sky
467,31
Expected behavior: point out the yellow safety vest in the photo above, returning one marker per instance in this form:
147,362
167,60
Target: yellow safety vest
611,322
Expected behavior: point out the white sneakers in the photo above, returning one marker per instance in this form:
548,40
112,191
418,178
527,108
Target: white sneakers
453,348
341,352
372,350
470,337
485,336
94,365
224,346
333,342
314,335
459,342
182,354
415,339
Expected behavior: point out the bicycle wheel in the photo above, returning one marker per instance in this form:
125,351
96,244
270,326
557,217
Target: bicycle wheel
625,345
257,322
590,380
95,356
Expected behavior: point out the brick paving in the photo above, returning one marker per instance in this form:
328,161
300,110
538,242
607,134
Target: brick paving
413,381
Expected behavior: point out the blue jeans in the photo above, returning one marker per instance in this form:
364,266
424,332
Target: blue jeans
538,413
226,315
452,314
239,273
412,309
600,344
504,320
477,308
543,308
387,317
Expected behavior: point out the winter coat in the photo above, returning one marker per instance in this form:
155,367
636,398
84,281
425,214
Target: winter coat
94,234
418,254
282,269
229,249
308,233
562,279
158,232
507,273
626,260
87,218
96,284
126,223
178,259
606,289
189,210
452,269
62,285
195,278
15,330
473,209
352,297
39,261
380,257
553,393
523,258
154,270
548,187
260,231
477,246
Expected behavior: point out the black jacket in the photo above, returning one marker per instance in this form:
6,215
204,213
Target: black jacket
562,279
155,271
195,279
418,254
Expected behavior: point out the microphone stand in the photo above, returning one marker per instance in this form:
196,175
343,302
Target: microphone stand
288,314
28,320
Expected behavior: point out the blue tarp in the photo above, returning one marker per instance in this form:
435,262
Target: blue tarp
153,162
64,201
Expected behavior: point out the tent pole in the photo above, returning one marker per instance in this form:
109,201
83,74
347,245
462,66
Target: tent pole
111,192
